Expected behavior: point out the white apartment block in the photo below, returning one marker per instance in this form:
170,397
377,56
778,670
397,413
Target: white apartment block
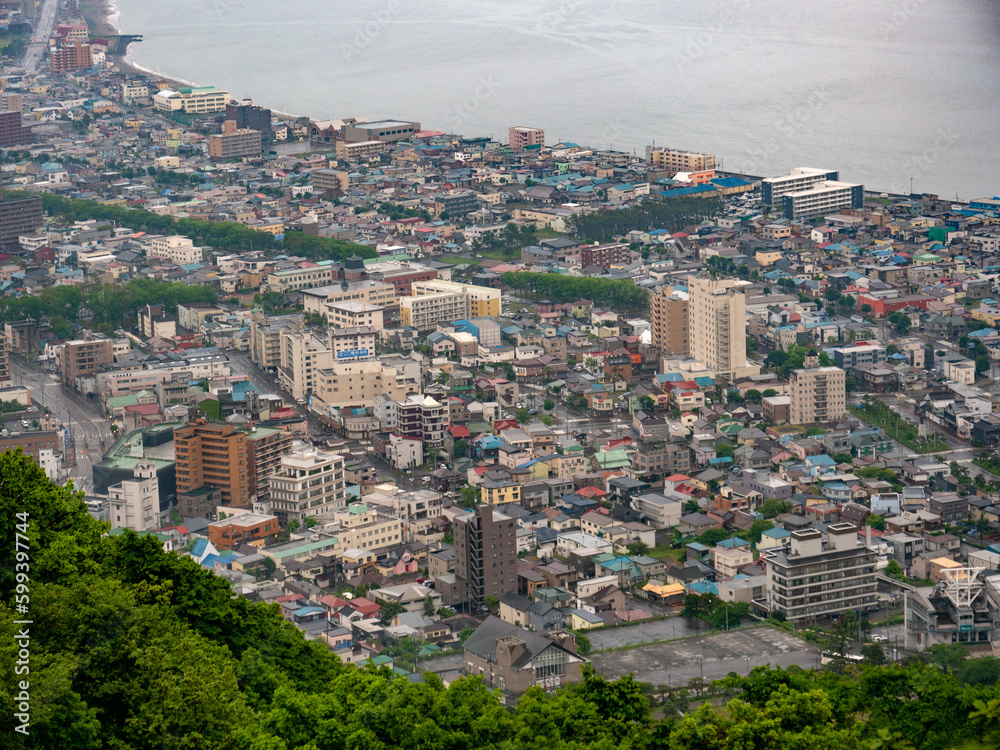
800,178
308,483
135,503
201,100
827,197
353,314
352,344
426,311
484,302
177,249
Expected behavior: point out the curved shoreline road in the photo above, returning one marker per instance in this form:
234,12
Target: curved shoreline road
40,37
90,433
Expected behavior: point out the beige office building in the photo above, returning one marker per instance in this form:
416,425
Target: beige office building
718,326
354,314
426,311
484,302
818,394
679,160
373,292
357,384
668,317
302,356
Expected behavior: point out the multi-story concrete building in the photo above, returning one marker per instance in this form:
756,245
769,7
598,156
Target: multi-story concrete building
818,394
353,314
330,182
483,301
962,608
14,133
458,204
152,322
193,315
176,248
135,503
380,130
604,256
292,279
4,361
251,117
679,160
73,56
375,293
265,336
308,483
11,102
191,101
824,198
134,92
362,151
213,455
422,417
486,552
84,357
21,215
520,137
357,383
31,442
773,189
352,344
668,317
302,356
820,576
265,447
425,311
234,142
718,326
864,353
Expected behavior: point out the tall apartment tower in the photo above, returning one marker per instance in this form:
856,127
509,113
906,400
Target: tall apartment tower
213,455
718,325
4,361
486,553
13,133
521,137
818,394
73,56
668,312
20,215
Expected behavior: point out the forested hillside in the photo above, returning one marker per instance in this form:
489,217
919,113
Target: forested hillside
132,647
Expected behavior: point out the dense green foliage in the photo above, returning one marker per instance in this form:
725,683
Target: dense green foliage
107,303
672,215
621,294
228,235
134,648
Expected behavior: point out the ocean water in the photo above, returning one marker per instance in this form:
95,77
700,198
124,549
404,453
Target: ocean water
884,91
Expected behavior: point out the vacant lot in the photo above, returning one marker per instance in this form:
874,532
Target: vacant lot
736,651
645,632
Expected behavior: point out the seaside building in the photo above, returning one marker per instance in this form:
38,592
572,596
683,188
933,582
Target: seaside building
520,137
679,160
806,192
192,101
382,130
73,56
247,116
234,142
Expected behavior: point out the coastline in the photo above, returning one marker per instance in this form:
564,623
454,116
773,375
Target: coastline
102,19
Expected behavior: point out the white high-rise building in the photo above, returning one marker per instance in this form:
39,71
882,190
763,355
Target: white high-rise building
717,311
135,503
308,483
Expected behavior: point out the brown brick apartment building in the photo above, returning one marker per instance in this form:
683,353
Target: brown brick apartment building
74,56
31,442
84,357
246,528
213,455
20,216
486,553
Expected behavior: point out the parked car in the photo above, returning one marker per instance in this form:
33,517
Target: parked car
879,638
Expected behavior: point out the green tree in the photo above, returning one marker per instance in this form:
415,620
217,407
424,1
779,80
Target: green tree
638,548
492,603
387,611
429,606
843,458
774,507
549,404
646,403
877,522
757,529
893,570
754,396
292,526
522,416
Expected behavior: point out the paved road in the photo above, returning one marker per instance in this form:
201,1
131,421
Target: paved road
644,632
90,432
40,39
265,382
711,657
